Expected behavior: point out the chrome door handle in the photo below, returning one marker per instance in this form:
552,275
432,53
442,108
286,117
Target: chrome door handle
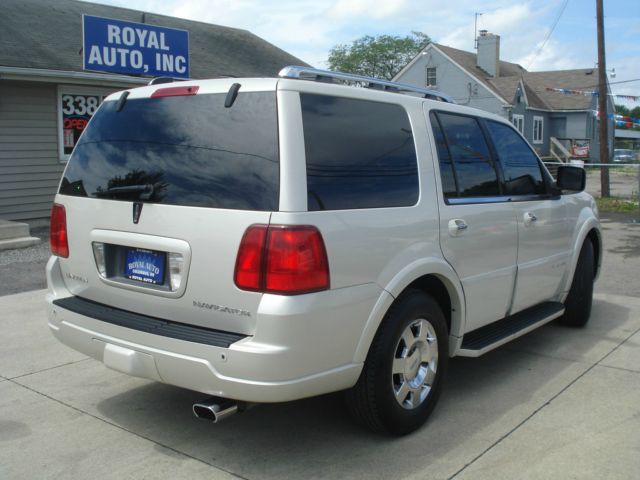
457,226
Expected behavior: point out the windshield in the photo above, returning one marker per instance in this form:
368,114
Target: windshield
186,150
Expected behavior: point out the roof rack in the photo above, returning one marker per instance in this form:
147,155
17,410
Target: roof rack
308,73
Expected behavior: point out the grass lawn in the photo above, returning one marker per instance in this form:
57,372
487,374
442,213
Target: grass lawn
617,205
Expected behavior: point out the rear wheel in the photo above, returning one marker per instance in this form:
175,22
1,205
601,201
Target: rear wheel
578,303
402,377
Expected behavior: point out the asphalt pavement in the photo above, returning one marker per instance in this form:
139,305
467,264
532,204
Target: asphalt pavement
556,403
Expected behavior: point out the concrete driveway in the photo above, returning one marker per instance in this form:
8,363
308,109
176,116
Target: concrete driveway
558,403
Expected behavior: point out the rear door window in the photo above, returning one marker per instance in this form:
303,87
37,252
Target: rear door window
360,154
475,171
191,149
521,168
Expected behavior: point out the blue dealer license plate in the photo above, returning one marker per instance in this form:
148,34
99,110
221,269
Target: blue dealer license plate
146,266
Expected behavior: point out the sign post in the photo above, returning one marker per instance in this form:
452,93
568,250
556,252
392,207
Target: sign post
118,46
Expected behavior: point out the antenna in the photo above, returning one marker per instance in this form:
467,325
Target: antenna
475,28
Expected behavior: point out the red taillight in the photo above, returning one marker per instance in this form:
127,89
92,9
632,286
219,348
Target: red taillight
249,263
175,92
287,260
58,231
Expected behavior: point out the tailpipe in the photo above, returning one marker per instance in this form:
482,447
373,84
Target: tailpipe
215,409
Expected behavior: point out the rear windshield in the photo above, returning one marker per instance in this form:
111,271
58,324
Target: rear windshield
187,150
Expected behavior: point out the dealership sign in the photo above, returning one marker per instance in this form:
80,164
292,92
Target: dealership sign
134,48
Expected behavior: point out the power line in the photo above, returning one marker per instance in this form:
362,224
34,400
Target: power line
546,38
611,83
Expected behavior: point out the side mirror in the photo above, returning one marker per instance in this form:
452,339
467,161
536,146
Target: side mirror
571,178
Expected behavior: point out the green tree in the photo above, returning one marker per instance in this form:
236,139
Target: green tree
382,56
622,110
635,112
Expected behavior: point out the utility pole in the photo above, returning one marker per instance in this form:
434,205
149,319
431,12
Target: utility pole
602,104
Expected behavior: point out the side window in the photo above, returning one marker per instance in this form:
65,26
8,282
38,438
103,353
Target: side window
360,154
538,123
518,122
446,165
522,174
430,77
474,169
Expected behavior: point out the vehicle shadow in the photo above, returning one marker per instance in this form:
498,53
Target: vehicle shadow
484,399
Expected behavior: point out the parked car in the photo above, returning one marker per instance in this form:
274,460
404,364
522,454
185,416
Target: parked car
623,155
266,240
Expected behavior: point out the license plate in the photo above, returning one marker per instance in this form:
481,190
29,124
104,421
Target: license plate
146,266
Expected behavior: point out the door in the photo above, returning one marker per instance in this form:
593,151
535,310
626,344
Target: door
158,194
544,232
478,230
559,127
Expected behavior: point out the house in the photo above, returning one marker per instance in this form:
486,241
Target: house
558,125
47,95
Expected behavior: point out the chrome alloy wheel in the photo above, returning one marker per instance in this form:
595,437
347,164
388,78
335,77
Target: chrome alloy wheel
414,364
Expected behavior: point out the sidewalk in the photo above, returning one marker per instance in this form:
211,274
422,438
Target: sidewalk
557,403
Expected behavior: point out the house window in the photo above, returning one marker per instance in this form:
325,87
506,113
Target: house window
538,123
430,77
76,106
518,122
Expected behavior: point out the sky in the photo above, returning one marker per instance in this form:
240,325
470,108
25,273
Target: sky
309,29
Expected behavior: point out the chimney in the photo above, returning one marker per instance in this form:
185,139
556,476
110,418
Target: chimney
489,53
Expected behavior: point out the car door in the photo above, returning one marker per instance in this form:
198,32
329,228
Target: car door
478,231
544,231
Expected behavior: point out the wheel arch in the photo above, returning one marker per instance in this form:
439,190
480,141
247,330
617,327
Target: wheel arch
435,278
590,230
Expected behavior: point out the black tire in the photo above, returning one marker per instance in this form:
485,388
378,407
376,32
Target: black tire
372,401
578,303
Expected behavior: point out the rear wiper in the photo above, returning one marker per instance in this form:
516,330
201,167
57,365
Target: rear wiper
145,191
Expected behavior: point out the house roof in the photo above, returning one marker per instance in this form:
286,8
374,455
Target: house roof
48,35
468,61
535,83
582,79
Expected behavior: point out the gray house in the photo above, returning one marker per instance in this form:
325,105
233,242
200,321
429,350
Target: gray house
558,125
42,78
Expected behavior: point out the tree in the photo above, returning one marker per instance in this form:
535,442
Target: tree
382,56
622,110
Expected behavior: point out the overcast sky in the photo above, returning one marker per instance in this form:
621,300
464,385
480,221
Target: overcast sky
308,29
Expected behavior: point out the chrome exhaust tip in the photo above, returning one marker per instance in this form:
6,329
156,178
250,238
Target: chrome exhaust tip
215,409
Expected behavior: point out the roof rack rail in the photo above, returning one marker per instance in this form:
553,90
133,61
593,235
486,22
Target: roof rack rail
308,73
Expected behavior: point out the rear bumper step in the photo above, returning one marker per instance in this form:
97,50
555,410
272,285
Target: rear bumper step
144,323
498,333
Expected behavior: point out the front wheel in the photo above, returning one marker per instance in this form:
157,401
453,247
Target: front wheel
578,303
402,377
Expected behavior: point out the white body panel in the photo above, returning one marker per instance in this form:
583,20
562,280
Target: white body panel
302,345
544,243
487,278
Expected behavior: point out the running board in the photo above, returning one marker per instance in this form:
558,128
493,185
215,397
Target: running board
485,339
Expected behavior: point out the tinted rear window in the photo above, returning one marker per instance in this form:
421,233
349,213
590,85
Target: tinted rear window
192,149
360,154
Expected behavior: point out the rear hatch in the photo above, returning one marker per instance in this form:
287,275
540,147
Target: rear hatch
158,194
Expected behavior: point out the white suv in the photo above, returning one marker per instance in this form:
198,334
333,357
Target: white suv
265,240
